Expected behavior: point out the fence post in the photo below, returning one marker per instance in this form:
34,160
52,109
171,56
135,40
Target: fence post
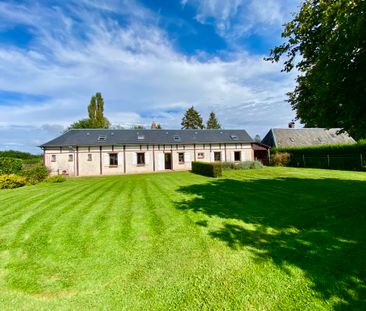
328,160
361,160
303,158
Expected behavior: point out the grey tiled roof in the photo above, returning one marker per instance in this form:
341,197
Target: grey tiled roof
277,137
89,137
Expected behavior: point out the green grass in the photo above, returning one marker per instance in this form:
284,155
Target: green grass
269,239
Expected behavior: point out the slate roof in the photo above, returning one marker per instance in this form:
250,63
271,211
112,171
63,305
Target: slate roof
89,137
283,138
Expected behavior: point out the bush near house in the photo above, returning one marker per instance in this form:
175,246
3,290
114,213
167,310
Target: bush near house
10,165
35,174
56,179
11,181
244,165
281,159
22,167
343,156
207,169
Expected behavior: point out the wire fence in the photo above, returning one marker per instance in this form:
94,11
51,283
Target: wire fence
329,161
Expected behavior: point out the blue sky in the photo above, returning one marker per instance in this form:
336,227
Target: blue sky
150,59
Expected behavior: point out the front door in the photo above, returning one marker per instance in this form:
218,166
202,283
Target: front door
168,161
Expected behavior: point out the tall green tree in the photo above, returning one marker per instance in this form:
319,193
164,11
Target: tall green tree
192,120
212,122
96,117
326,43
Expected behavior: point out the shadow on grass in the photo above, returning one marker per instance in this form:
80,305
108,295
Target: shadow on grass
317,225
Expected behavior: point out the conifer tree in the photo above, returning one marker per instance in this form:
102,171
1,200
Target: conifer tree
212,122
192,120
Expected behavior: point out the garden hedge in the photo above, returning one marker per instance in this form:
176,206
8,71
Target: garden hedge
207,169
344,157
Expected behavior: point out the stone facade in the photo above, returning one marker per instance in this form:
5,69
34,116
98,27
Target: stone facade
128,159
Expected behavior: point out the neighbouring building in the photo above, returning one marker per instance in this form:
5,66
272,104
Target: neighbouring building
305,137
88,152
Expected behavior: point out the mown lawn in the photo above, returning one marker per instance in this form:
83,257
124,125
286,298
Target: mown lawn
270,239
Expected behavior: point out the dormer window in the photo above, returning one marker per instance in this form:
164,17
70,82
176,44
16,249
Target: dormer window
102,138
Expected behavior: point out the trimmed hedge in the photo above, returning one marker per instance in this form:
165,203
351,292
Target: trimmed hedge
207,169
10,165
11,181
343,157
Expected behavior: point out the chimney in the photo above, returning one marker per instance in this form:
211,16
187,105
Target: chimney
153,125
291,125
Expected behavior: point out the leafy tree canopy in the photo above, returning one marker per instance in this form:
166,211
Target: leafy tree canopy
326,43
192,120
212,122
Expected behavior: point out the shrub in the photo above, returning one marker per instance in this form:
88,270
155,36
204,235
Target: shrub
248,165
10,165
244,165
35,174
207,169
56,179
280,159
10,181
229,165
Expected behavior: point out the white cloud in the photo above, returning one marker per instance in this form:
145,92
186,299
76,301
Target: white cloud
237,18
140,74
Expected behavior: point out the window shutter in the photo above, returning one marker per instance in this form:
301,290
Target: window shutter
160,162
242,155
134,158
223,156
187,157
120,158
147,158
212,158
106,159
232,156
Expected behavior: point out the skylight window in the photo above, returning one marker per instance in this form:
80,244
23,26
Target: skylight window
140,137
176,138
292,139
234,137
102,138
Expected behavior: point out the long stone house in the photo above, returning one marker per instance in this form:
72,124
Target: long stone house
90,152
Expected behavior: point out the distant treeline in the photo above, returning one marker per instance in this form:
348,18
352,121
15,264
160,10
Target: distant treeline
19,155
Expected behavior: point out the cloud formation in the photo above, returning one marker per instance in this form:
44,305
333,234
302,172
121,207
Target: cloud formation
118,48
